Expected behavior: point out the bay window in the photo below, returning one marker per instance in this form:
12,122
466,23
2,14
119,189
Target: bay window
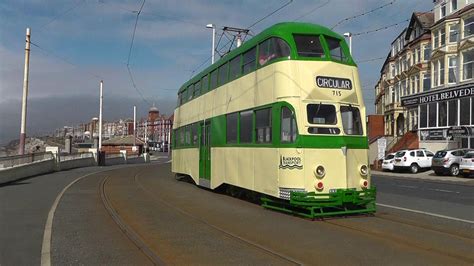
468,64
452,71
453,33
468,26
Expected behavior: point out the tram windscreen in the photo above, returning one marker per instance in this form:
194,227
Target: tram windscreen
351,121
309,45
321,114
335,49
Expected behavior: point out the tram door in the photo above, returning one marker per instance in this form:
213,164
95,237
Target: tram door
205,155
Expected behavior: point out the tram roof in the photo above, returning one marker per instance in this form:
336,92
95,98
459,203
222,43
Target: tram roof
284,30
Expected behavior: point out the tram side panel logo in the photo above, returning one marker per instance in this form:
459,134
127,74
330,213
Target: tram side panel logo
333,83
290,163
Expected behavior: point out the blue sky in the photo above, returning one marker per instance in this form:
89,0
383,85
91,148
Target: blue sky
94,36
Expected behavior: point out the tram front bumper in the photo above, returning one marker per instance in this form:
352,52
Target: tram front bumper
313,205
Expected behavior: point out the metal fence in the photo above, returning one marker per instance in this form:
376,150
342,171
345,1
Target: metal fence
11,161
74,156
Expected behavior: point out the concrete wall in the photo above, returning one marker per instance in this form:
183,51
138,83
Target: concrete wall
77,163
32,169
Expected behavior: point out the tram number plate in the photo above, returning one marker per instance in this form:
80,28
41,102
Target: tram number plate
333,190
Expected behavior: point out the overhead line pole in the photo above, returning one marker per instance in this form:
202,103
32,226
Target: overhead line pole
25,93
100,114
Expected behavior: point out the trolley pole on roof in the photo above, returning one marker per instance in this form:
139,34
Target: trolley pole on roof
25,93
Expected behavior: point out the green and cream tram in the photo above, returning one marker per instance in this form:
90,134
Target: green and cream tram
282,115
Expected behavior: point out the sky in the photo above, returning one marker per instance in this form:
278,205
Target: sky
77,43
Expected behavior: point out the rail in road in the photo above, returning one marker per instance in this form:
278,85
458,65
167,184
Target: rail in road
175,222
143,215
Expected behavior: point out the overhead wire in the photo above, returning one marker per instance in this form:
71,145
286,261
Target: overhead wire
248,28
61,14
130,53
312,10
49,53
342,21
381,28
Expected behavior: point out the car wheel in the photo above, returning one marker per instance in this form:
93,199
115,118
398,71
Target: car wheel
414,168
454,170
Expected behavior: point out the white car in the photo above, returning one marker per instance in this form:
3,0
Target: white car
466,167
387,163
414,160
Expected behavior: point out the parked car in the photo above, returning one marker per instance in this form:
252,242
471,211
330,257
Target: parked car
447,161
413,160
387,163
467,164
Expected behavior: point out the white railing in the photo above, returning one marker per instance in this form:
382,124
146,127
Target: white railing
75,156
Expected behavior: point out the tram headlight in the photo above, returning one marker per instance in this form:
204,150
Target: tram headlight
320,172
364,170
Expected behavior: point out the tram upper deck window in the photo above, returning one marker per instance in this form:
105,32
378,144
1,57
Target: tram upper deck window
351,121
234,71
272,49
213,80
323,114
309,45
249,57
335,49
223,71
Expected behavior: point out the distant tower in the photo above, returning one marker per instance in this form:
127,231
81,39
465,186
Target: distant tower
153,115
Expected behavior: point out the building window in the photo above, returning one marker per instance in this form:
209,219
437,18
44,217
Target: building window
452,71
472,111
423,115
453,33
465,106
263,125
435,67
288,125
442,36
454,5
417,83
427,52
435,39
432,114
246,121
468,26
443,10
468,64
453,113
426,81
442,114
232,128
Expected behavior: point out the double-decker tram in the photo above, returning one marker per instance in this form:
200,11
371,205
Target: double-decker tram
281,115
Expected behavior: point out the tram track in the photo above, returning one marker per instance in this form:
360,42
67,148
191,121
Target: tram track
403,240
126,229
225,232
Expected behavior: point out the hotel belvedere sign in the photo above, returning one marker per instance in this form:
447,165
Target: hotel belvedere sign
439,95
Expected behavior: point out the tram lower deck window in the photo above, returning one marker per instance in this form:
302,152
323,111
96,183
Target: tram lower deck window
351,121
323,114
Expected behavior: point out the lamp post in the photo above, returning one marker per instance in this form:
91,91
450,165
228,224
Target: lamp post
213,27
349,35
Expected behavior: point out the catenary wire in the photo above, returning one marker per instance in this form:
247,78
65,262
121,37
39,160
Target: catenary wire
62,13
49,53
363,14
312,10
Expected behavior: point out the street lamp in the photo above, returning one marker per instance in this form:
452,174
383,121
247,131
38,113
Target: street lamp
213,27
349,35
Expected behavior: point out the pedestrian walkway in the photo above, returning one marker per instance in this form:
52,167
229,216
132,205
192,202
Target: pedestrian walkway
427,175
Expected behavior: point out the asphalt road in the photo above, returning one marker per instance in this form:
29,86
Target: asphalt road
185,224
444,198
